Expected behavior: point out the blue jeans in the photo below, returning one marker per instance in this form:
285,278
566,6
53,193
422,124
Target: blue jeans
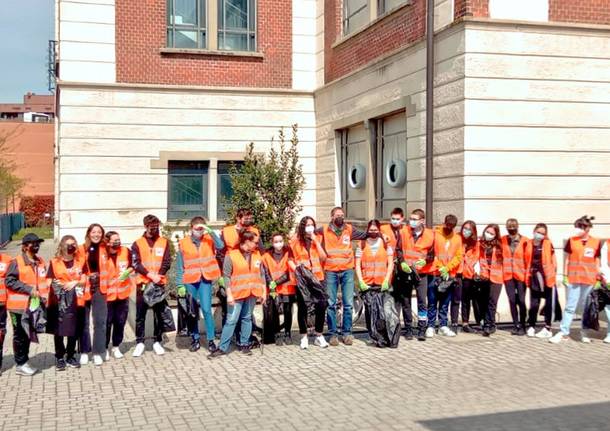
346,280
576,293
202,293
438,301
241,310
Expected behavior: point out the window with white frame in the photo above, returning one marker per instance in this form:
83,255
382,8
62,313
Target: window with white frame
356,14
237,25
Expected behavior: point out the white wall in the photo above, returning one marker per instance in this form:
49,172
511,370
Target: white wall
522,10
304,14
86,40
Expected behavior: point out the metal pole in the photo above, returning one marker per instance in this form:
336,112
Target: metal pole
429,112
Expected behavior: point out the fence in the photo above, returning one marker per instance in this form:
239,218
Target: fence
9,225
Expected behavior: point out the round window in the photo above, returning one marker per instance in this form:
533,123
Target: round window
396,173
356,176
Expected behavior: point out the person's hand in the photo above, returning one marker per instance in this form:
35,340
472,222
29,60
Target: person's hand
444,273
207,229
420,263
597,285
221,282
154,277
230,299
385,286
181,291
405,267
363,286
272,285
34,292
69,286
124,275
273,293
566,281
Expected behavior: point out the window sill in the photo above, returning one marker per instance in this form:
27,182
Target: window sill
207,52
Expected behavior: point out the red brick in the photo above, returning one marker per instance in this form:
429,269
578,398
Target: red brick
582,11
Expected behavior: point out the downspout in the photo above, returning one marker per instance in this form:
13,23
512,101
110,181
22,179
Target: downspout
430,113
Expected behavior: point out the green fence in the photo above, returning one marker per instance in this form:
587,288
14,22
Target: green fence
9,225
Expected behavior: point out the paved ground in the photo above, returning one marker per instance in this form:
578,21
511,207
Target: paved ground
467,383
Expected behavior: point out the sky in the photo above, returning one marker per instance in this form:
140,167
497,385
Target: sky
26,26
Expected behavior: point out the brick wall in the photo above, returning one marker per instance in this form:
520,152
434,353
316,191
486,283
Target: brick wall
584,11
475,8
141,33
402,28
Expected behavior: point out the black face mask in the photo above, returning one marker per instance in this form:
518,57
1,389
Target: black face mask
512,231
71,249
34,248
248,223
339,221
116,245
447,230
153,232
373,235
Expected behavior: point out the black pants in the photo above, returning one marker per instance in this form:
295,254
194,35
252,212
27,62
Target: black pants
320,315
535,297
515,290
99,312
403,291
471,296
82,328
115,322
21,341
287,306
141,310
62,350
456,301
490,291
2,329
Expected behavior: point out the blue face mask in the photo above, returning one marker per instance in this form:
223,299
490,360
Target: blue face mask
467,233
395,222
414,224
538,236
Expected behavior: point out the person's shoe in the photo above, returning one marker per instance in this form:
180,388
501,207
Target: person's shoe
116,353
288,339
493,330
246,350
585,339
531,332
486,332
445,331
430,332
409,332
60,364
194,346
158,348
468,329
515,330
321,341
558,338
25,370
216,354
455,328
544,333
139,350
304,342
98,360
72,363
421,333
212,347
183,332
279,340
107,355
607,339
348,340
334,341
84,359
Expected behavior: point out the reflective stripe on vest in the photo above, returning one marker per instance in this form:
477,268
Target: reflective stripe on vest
31,276
582,268
514,264
246,279
151,257
340,255
200,261
495,273
469,258
310,260
5,261
278,269
446,249
416,250
374,266
118,289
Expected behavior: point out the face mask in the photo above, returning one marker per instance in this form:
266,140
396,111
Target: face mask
447,230
248,223
339,221
373,235
309,229
197,233
34,248
278,245
512,231
489,236
467,233
153,232
414,224
116,245
395,222
71,249
579,232
538,236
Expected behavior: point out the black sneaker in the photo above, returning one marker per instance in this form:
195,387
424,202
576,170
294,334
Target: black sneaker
517,330
279,340
72,363
409,332
246,350
468,329
421,334
455,328
212,347
216,353
60,364
486,332
194,346
288,339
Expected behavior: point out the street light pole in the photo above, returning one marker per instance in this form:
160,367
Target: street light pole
430,112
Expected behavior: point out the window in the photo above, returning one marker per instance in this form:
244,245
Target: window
384,6
355,15
186,24
237,25
354,163
187,190
225,190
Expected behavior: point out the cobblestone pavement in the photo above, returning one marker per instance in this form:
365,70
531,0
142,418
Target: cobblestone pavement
466,383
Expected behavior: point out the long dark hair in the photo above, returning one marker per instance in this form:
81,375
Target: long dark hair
495,244
301,235
471,242
89,229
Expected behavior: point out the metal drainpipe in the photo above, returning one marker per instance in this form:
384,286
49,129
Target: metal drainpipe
429,112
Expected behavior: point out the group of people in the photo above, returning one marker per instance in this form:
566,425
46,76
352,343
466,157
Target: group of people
449,270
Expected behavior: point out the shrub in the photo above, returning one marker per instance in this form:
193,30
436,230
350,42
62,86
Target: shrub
34,209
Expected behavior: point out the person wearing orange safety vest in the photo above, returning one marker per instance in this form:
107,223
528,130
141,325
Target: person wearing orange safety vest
151,261
469,274
279,274
245,283
491,275
541,272
582,272
447,262
374,265
120,286
514,260
337,239
65,278
5,261
196,271
309,253
25,280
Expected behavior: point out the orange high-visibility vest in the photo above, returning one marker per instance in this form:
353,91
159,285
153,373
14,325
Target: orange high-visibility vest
416,250
447,253
200,261
493,272
32,276
340,255
549,263
118,289
374,266
103,271
230,236
582,268
246,279
514,265
469,258
389,236
151,257
309,259
5,261
277,269
65,275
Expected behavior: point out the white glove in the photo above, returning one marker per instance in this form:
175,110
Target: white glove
477,268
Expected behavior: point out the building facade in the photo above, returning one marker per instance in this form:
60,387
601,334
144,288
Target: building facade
157,97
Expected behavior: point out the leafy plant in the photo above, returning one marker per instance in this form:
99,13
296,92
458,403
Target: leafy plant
35,209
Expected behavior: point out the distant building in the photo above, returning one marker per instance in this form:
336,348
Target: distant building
34,109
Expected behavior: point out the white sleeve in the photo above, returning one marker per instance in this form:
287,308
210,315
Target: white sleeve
604,262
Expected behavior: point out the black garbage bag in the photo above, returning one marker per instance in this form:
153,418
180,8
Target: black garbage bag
271,320
444,285
189,306
311,289
66,314
167,323
590,317
384,327
154,294
34,322
603,298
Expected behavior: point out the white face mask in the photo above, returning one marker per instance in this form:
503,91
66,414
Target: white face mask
278,245
197,233
579,232
467,233
309,229
395,223
489,236
538,236
414,224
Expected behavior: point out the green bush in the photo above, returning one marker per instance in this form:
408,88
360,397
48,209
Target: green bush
44,232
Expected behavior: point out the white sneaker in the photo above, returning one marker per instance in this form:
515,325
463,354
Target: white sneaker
116,352
558,338
531,332
321,341
107,356
607,339
97,360
158,348
84,359
25,370
445,331
585,339
137,352
544,333
304,342
430,332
